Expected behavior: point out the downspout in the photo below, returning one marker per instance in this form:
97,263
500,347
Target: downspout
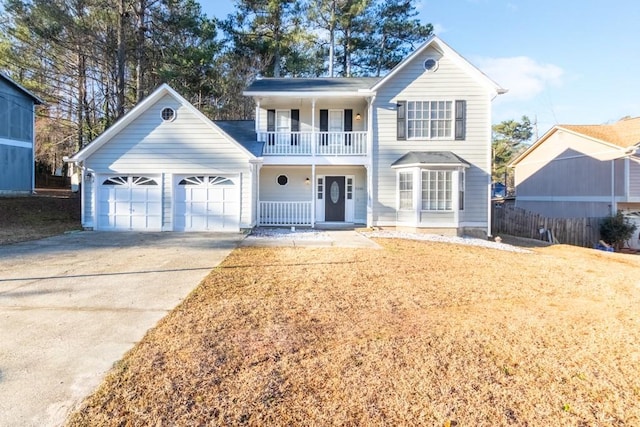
33,149
613,187
257,121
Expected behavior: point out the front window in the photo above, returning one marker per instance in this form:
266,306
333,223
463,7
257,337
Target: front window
436,190
429,119
405,190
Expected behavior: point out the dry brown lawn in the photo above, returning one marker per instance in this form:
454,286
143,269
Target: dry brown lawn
417,333
34,217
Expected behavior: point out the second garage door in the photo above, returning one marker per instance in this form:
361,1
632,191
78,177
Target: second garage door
207,203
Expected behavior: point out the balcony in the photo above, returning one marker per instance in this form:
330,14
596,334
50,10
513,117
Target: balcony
314,143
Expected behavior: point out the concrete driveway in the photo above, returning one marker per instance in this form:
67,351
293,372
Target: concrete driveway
72,305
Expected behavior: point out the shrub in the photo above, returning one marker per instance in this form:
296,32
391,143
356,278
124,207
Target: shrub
616,229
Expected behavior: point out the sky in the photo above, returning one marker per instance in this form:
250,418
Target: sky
563,61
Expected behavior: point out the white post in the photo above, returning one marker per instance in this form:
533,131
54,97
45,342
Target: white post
369,165
313,127
313,195
613,186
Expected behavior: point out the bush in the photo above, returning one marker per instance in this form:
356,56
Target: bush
616,229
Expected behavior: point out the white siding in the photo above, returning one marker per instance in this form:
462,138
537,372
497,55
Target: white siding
448,83
186,145
295,190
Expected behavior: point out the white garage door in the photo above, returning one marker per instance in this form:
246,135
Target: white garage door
129,203
207,203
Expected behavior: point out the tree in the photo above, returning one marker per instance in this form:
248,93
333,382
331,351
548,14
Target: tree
397,32
616,230
509,140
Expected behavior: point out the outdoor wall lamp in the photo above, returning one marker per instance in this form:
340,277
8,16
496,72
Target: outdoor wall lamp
307,181
358,117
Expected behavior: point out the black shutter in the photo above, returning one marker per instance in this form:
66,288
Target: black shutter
402,123
271,126
295,126
461,119
348,126
324,126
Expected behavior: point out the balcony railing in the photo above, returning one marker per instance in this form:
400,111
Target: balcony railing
285,213
314,143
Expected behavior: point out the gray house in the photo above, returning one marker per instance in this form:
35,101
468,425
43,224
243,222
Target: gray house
17,137
411,149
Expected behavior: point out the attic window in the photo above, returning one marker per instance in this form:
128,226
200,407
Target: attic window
168,114
431,64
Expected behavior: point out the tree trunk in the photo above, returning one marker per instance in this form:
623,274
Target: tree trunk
120,60
141,12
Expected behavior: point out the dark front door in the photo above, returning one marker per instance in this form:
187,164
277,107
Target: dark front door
334,198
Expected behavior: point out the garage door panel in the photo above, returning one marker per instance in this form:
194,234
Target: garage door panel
207,203
129,203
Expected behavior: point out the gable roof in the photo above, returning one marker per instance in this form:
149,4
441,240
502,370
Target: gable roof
430,158
21,88
143,106
622,135
436,43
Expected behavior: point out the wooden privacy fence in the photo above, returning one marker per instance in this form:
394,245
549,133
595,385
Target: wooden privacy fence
507,219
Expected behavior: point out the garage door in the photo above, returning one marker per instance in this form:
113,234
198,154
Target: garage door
129,203
207,203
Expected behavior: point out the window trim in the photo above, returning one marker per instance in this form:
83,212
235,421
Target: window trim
457,120
410,190
456,188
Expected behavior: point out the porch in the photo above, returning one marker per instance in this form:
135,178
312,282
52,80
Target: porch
308,196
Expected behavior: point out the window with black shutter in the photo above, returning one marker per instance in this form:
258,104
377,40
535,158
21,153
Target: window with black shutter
324,127
461,116
402,122
348,126
295,127
271,127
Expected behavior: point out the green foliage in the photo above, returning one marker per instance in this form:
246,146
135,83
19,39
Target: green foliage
509,140
616,229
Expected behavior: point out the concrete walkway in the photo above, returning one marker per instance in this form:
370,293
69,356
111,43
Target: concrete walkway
72,305
308,238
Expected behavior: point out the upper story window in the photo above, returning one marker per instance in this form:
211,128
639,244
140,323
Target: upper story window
426,120
429,119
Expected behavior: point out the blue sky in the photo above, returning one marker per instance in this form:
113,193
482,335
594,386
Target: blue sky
563,61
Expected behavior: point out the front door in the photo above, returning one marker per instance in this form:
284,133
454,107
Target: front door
335,198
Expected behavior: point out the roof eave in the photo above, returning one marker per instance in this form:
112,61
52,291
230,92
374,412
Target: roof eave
422,164
309,94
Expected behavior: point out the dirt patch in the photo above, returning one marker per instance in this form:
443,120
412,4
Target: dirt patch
48,213
419,333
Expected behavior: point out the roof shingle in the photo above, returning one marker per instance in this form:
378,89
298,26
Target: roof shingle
623,133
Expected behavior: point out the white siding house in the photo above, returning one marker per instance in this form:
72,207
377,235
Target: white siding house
411,149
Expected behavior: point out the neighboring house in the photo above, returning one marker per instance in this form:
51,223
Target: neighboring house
577,171
17,137
411,149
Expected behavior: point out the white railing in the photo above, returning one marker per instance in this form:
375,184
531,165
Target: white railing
314,143
341,143
286,143
285,213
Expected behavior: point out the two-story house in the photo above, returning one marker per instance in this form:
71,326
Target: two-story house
410,149
17,137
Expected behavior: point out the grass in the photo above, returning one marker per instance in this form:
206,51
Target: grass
417,333
35,217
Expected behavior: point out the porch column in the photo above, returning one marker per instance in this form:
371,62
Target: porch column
455,196
257,168
369,165
313,195
313,127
